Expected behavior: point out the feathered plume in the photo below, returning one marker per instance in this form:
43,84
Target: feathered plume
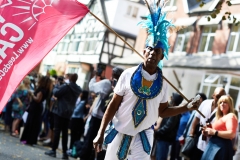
157,26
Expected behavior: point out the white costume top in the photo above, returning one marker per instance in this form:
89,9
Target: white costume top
205,108
123,121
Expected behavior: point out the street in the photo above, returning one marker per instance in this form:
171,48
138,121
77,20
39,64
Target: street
12,149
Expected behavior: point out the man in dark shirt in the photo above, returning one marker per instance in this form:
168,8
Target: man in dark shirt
66,96
167,131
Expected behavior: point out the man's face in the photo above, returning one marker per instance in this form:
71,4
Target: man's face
152,56
217,94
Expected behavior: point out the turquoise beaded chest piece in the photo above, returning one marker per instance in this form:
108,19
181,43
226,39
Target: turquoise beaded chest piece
144,93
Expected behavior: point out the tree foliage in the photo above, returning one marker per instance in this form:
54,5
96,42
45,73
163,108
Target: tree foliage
217,10
53,72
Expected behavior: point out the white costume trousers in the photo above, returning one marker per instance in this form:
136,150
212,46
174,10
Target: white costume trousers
135,152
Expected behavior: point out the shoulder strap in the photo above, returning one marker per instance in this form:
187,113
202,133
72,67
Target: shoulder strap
211,118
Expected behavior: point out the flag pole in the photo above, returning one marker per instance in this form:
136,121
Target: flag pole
141,57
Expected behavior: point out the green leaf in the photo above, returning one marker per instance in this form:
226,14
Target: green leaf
213,15
234,19
223,18
208,18
229,3
217,11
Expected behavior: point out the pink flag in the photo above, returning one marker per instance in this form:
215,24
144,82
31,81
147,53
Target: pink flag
29,29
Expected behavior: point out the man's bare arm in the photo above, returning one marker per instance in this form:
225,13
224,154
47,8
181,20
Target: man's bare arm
108,116
165,111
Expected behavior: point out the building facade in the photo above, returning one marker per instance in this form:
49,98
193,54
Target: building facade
90,42
204,54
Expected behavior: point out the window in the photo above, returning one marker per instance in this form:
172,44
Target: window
234,94
47,68
132,11
212,79
230,83
208,34
210,82
55,48
74,45
129,9
171,5
73,70
135,12
234,89
63,45
235,82
90,45
234,41
183,37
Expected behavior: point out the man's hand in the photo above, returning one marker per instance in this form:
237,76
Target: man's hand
97,142
194,103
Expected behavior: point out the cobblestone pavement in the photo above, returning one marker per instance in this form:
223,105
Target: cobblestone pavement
12,149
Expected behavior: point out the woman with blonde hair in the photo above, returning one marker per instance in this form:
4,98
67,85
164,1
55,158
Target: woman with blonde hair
222,132
33,123
21,100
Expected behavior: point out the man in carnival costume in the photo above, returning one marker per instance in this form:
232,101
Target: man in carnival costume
140,97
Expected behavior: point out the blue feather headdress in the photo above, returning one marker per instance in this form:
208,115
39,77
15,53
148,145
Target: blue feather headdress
157,27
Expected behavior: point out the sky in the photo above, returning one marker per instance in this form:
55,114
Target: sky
84,1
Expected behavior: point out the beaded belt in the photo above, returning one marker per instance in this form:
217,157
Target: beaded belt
126,141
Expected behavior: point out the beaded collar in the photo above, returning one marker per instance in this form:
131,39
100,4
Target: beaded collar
137,88
144,93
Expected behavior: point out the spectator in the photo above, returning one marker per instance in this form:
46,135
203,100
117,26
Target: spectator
21,101
208,108
33,123
222,132
189,124
235,139
102,88
166,134
66,96
176,146
66,77
49,139
77,120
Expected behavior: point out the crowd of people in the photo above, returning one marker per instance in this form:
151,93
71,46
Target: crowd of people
58,105
129,117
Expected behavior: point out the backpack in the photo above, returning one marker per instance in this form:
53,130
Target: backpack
77,147
105,101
